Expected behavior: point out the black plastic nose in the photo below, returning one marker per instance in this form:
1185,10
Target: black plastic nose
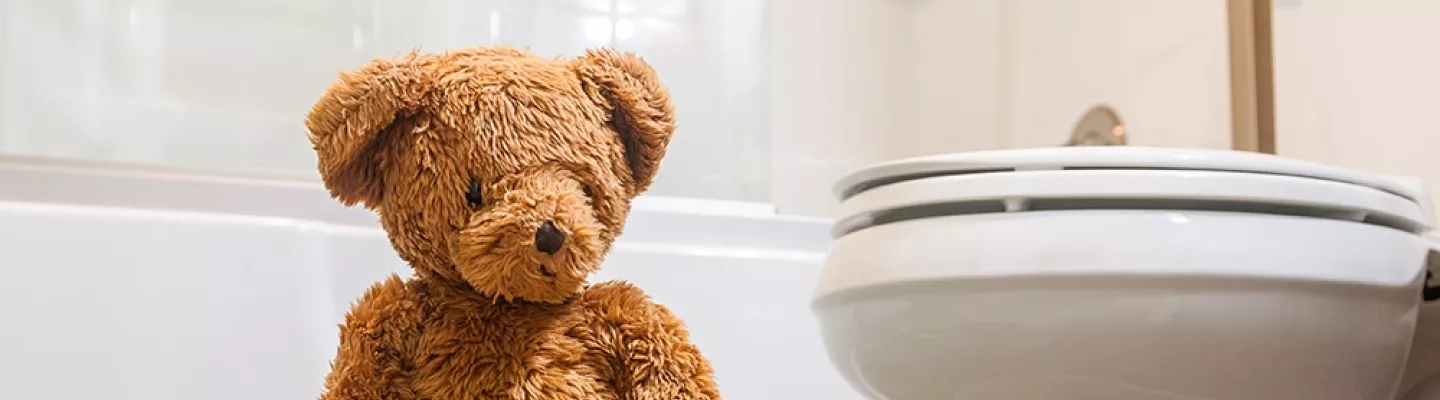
548,239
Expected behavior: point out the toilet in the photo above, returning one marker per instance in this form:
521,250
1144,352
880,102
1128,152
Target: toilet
1129,273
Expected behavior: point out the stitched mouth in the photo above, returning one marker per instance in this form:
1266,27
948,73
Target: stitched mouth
545,270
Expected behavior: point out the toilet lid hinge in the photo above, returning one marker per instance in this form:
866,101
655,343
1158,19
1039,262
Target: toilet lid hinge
1430,289
1431,292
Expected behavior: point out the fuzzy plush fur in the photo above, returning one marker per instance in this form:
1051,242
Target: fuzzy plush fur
467,156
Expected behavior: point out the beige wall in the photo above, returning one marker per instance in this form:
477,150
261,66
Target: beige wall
834,94
862,81
1358,84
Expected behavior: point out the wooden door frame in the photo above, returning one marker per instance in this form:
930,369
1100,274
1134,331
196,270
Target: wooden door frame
1252,76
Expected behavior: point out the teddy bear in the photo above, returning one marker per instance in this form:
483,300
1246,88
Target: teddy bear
502,179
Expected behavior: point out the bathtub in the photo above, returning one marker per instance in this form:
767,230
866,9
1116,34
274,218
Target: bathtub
128,283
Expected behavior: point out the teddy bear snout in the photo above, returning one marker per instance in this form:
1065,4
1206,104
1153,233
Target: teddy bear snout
548,238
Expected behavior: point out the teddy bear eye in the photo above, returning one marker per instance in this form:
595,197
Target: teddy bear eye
588,192
473,194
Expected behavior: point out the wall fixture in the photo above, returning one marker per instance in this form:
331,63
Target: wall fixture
1100,126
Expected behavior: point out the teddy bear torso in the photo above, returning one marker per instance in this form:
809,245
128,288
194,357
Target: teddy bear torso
468,347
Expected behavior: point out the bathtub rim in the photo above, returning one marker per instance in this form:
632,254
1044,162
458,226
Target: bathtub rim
741,229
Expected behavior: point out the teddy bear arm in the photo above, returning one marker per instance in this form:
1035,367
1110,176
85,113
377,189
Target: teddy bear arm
651,349
370,363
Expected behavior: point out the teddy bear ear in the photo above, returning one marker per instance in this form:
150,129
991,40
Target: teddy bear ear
638,105
347,123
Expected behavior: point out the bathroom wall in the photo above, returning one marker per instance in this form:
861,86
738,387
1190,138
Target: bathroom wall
845,82
224,84
836,94
861,81
1355,81
776,98
1358,84
1047,61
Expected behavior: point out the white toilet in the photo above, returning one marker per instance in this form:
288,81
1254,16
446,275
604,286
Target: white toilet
1124,273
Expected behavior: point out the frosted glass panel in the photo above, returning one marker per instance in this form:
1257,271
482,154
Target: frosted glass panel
225,83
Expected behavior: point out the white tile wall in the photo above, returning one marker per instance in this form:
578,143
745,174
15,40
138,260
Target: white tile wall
226,83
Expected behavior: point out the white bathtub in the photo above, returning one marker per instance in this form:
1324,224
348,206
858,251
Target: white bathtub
152,285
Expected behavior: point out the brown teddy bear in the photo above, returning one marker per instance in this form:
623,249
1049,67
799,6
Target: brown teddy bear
502,179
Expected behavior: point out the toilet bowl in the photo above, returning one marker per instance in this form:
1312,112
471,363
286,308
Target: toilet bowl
1115,273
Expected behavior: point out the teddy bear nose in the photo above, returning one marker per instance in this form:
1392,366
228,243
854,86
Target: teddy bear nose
548,239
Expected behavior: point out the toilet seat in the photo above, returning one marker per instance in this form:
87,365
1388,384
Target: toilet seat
1186,190
948,271
1129,173
1125,178
1109,157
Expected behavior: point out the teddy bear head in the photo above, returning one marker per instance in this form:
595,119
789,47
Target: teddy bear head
494,168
